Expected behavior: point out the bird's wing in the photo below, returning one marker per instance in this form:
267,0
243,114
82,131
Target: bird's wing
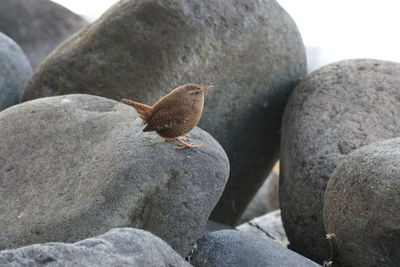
162,119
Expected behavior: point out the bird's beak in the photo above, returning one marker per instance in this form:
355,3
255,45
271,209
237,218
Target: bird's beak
207,88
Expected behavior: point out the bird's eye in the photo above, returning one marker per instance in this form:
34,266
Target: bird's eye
196,90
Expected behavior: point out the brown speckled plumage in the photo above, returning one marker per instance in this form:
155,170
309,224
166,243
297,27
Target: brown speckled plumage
175,114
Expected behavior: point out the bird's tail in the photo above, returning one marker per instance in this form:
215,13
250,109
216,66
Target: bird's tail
144,110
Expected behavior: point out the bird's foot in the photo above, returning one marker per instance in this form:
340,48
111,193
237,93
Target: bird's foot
185,145
186,139
167,139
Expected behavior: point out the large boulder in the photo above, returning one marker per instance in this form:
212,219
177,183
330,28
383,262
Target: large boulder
15,72
231,248
362,206
332,112
251,51
76,166
119,247
38,26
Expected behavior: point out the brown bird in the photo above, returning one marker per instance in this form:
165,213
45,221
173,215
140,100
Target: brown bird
175,114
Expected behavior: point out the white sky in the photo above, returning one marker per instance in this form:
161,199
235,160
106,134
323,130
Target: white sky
332,30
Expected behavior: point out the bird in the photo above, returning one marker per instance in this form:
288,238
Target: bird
175,114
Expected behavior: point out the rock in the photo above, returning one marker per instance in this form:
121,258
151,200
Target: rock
118,247
212,226
15,72
235,248
251,51
334,111
77,166
38,26
268,226
266,199
362,206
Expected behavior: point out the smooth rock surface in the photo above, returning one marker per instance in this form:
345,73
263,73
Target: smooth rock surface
77,166
38,26
362,206
231,248
251,51
118,247
15,72
266,199
332,112
268,226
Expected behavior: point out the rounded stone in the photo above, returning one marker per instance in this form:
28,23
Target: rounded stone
251,51
332,112
232,248
362,206
122,247
38,26
15,72
76,166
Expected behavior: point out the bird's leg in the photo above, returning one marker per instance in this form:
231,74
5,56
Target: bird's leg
185,145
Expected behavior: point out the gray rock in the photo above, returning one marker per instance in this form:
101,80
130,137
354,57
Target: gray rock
38,26
15,72
268,226
251,51
266,199
118,247
212,226
77,166
362,206
334,111
233,248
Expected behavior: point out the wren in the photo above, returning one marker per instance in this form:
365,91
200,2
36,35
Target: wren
175,114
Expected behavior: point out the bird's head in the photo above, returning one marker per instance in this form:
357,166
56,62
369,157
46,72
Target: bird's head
194,90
